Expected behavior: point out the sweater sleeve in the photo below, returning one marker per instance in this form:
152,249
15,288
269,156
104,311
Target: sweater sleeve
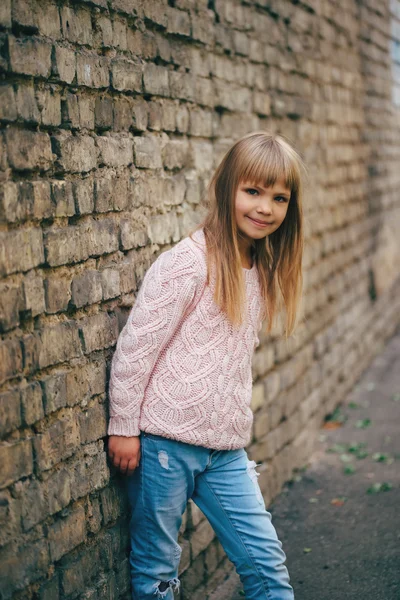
167,291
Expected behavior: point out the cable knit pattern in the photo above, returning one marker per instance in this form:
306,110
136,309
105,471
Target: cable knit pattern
181,370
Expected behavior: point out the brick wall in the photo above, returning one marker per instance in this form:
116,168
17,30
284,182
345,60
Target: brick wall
114,114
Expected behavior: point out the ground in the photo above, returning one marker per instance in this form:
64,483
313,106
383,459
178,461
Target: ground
339,519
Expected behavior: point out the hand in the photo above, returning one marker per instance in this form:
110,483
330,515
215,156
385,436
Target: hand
124,453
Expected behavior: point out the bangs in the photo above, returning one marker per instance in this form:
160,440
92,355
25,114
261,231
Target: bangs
267,163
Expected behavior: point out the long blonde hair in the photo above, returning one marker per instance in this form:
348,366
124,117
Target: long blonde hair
262,159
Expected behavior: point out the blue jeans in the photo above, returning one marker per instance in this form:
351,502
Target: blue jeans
223,484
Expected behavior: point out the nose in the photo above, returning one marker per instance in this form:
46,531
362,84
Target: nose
265,206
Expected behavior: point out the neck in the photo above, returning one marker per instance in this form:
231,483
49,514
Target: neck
245,249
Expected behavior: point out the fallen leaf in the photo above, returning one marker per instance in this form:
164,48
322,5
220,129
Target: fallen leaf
338,501
306,550
363,423
332,425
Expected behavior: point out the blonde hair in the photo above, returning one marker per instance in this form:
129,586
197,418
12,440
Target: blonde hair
262,159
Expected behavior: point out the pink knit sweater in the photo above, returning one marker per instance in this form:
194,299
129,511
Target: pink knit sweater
181,370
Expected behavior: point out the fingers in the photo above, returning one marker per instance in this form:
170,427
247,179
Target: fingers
125,465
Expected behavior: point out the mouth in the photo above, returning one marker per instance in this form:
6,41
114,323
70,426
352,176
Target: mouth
260,223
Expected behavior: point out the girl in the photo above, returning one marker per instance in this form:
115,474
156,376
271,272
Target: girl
181,380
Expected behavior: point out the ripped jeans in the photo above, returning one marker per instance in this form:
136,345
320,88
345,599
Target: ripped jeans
223,484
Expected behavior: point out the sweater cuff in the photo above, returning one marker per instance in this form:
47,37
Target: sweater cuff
123,426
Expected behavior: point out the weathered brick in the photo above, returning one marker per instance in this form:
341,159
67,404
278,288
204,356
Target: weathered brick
32,403
175,154
178,21
77,243
111,192
54,392
11,303
58,490
34,505
59,343
33,294
92,70
30,56
10,518
58,442
64,65
49,102
63,199
57,293
16,461
85,381
133,234
76,25
28,149
115,152
86,289
10,359
8,106
98,332
31,347
28,563
10,411
155,80
126,75
5,13
147,152
164,228
201,538
77,153
26,103
89,473
92,423
83,194
65,535
103,112
110,283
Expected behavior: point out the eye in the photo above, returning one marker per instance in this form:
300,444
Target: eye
283,198
249,190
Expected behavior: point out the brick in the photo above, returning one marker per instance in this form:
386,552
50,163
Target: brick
92,424
182,85
257,399
86,289
34,507
175,154
11,303
64,66
48,18
16,461
77,153
59,343
28,149
50,590
103,112
31,347
90,473
147,152
111,192
33,294
58,490
92,70
54,392
126,75
27,564
104,25
65,535
110,282
58,442
10,518
76,25
112,504
98,332
10,359
201,538
164,228
63,199
10,411
32,403
57,293
178,22
26,103
8,106
85,381
30,56
77,243
115,152
155,80
5,13
49,102
82,190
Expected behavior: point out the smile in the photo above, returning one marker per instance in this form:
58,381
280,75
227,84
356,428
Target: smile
259,223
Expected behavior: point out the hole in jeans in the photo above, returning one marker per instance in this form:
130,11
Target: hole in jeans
161,587
252,473
163,459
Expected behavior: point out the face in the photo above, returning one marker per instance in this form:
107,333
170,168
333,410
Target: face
260,211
